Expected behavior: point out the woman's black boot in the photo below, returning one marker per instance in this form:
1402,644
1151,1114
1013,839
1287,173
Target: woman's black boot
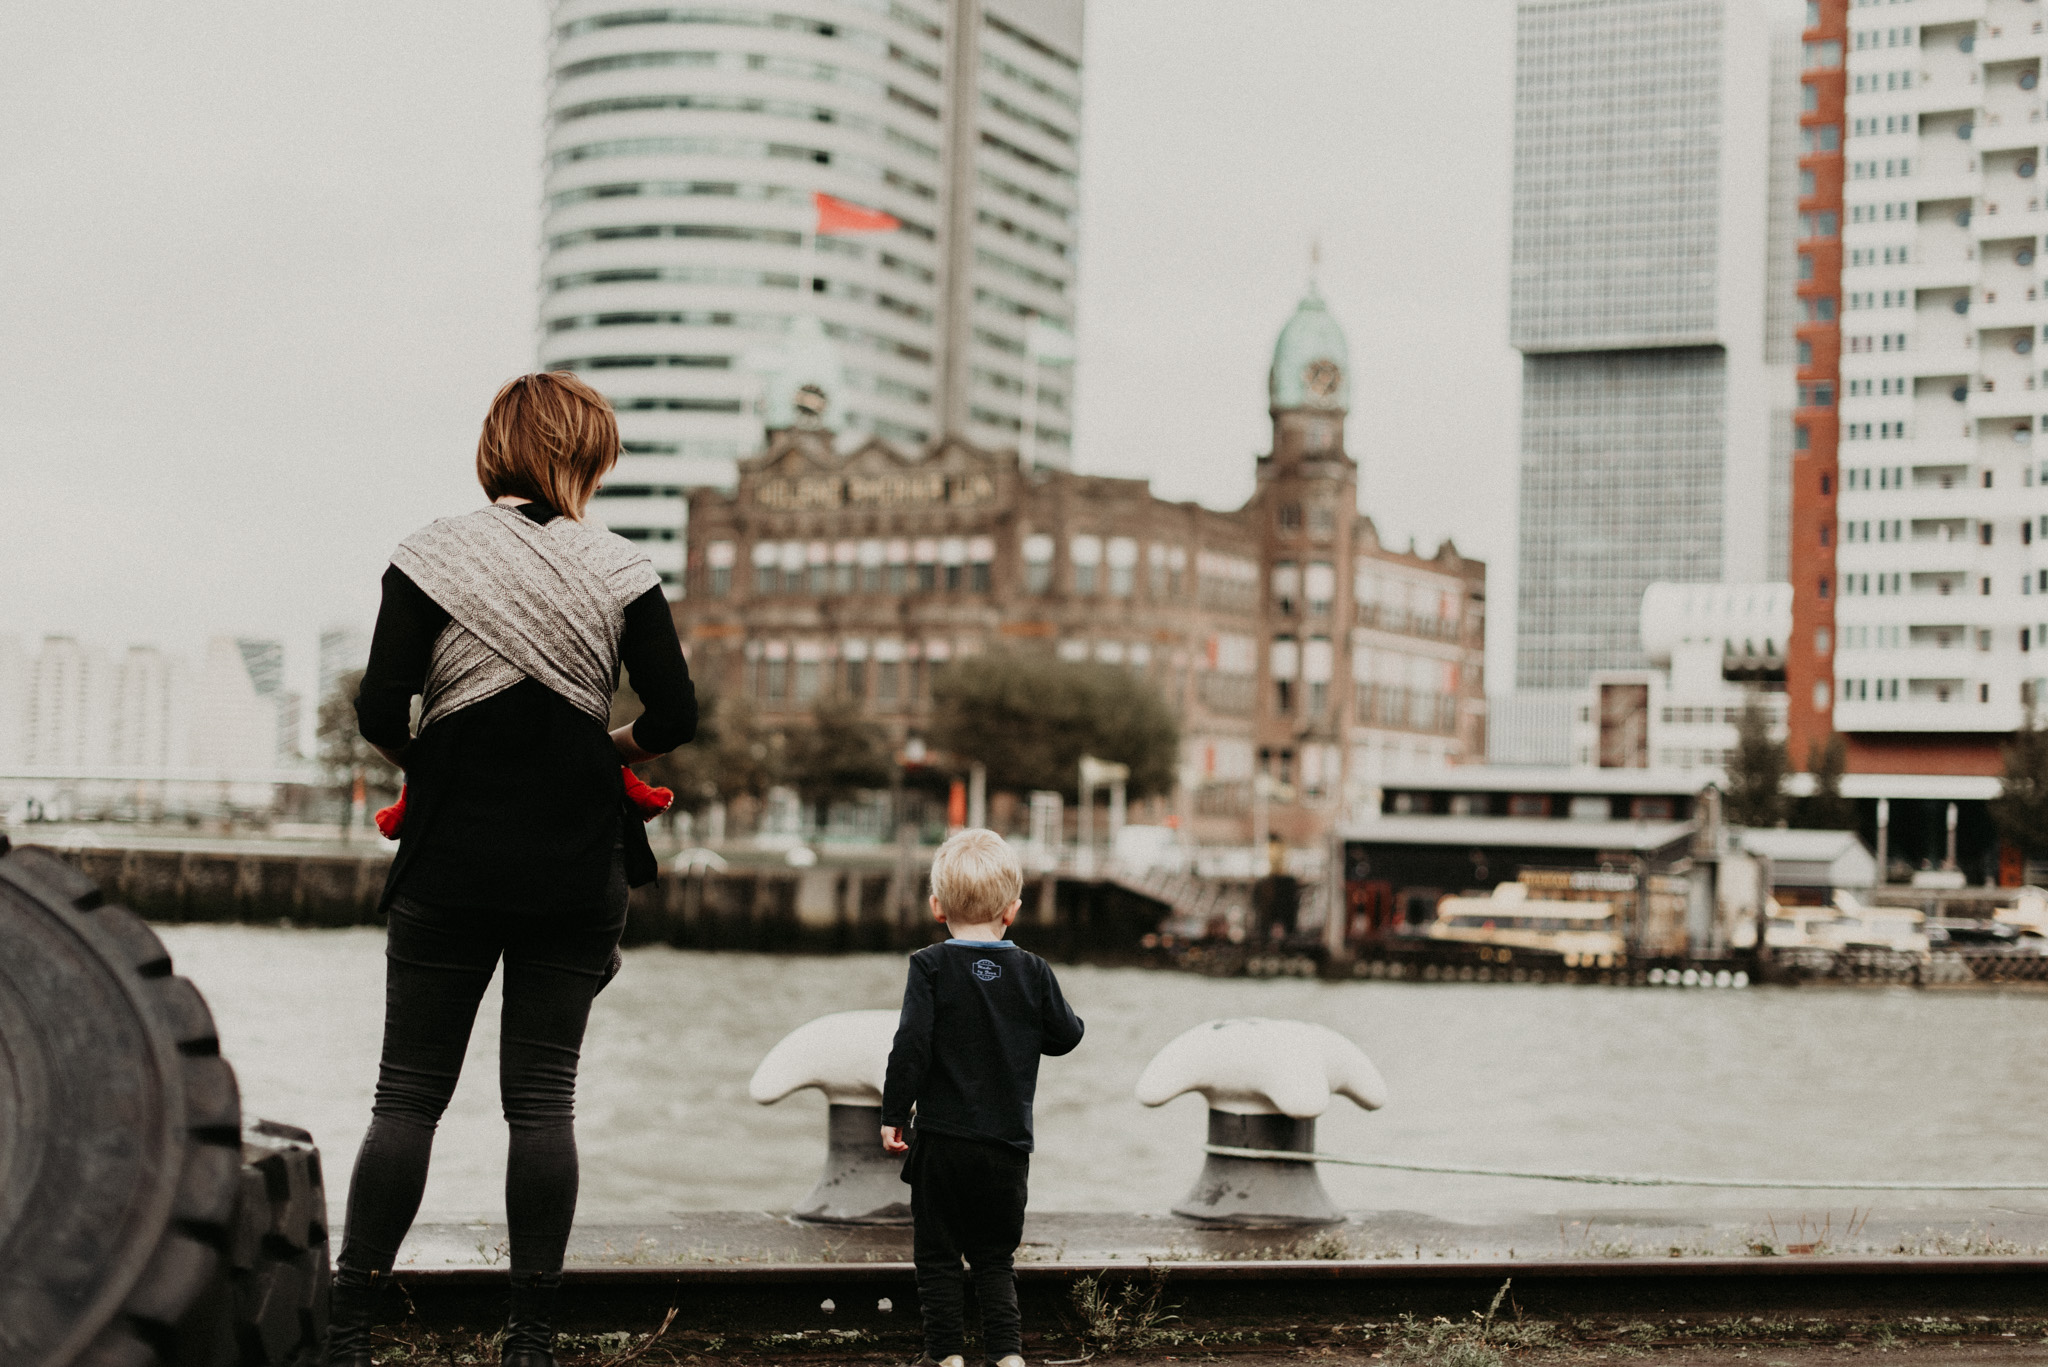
349,1321
530,1327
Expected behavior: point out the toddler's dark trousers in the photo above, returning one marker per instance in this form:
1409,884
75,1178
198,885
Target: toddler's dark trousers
438,962
967,1201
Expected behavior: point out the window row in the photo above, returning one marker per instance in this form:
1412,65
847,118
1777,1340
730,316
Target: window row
1872,299
751,322
1701,716
1864,389
1886,341
1886,37
1900,211
1870,82
927,565
1861,531
1010,189
778,679
1098,565
746,104
1890,123
1917,690
700,59
861,39
740,147
1869,170
1820,223
1882,431
1875,256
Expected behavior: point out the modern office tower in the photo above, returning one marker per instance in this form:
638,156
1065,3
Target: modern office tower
1642,234
684,149
1816,476
1939,606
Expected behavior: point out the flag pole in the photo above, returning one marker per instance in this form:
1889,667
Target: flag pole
1029,446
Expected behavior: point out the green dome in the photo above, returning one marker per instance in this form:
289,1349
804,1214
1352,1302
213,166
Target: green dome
1311,363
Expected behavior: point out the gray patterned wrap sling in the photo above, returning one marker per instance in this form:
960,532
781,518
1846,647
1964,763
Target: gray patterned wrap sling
542,602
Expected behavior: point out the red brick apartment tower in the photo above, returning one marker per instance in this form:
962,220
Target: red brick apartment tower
1809,666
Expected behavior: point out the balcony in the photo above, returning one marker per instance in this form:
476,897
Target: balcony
1959,715
1996,133
2005,305
2008,216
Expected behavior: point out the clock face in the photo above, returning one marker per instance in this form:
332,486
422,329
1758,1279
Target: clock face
1321,379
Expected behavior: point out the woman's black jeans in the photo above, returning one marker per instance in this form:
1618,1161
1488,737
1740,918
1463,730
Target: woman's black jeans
438,962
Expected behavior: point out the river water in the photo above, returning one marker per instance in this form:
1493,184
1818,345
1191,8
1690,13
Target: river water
1889,1083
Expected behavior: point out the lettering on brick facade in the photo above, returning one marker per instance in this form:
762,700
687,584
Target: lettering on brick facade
907,490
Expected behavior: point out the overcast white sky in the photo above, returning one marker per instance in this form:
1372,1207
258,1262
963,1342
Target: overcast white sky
263,265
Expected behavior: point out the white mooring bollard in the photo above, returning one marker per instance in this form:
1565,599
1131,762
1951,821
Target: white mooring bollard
845,1056
1265,1081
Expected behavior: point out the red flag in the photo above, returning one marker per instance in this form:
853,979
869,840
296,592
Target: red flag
841,216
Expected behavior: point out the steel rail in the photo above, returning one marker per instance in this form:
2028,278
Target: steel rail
1606,1179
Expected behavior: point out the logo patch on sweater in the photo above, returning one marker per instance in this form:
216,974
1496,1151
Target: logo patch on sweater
988,970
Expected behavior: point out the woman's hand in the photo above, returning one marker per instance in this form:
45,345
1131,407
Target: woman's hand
628,748
892,1140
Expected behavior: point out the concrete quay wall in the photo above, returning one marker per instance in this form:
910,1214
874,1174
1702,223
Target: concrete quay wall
816,910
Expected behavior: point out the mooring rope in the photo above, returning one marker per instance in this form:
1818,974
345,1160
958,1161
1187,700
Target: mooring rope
1608,1179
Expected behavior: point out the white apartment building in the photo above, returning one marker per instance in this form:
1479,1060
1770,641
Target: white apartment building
684,146
1942,601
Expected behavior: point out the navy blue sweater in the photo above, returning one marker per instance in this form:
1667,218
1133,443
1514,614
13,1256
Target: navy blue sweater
976,1016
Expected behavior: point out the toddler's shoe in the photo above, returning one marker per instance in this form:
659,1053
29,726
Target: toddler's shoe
1013,1360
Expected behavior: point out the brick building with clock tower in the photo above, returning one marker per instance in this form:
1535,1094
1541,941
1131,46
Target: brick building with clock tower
1288,639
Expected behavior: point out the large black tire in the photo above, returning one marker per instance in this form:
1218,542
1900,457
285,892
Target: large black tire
137,1227
279,1269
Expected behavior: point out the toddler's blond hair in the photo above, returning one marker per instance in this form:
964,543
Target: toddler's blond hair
975,876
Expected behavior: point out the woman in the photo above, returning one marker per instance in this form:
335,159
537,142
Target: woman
511,624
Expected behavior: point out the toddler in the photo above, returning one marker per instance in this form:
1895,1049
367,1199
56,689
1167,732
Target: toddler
977,1013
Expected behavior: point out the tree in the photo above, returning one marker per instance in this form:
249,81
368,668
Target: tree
1756,775
344,755
2020,811
1826,809
837,755
749,758
1030,717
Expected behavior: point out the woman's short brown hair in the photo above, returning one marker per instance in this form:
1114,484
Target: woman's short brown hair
548,437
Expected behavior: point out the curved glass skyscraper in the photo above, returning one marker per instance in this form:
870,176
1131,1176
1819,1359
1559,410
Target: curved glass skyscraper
685,144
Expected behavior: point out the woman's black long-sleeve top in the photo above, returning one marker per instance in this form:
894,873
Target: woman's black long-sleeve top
516,802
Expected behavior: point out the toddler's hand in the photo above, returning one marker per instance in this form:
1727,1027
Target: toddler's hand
892,1140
